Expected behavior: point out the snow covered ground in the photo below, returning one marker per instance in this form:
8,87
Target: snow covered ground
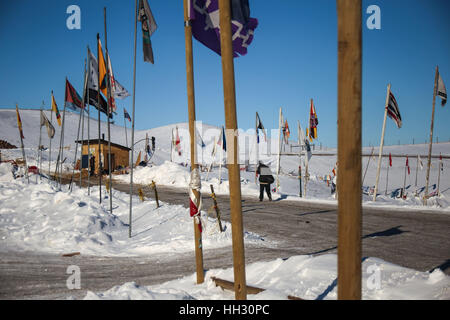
40,217
306,277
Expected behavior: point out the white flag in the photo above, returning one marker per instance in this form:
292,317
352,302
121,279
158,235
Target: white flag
420,162
441,92
120,92
48,125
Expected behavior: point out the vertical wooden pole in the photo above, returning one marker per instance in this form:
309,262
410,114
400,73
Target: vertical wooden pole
430,146
232,153
191,111
380,152
132,122
367,166
349,148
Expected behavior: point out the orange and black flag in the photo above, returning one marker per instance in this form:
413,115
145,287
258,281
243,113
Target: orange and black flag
101,67
19,123
313,122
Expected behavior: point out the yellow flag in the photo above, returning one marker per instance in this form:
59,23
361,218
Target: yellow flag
55,110
19,123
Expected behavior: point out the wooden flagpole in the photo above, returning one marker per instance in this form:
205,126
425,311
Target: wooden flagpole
191,112
132,122
109,111
240,286
430,146
380,152
349,148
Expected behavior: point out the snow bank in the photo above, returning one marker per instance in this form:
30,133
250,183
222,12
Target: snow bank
307,277
39,217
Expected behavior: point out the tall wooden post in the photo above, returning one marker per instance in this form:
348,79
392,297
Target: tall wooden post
349,148
431,136
191,111
240,286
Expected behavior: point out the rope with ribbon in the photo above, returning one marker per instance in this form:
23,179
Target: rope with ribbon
195,197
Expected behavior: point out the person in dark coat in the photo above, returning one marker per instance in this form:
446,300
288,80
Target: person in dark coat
265,180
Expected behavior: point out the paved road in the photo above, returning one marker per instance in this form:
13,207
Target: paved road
419,240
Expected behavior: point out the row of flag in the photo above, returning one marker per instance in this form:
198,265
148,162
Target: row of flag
392,107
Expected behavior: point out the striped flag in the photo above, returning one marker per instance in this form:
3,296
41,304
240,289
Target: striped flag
441,92
259,125
222,140
313,122
392,110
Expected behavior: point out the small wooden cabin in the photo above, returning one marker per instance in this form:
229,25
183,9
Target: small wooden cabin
120,155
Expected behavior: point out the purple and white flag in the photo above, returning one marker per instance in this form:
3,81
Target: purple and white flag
204,16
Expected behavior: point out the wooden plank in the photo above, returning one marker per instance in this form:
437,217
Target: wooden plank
228,285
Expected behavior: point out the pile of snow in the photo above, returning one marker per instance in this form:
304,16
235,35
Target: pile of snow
39,217
307,277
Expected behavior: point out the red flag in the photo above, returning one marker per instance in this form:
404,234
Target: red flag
73,99
390,160
407,165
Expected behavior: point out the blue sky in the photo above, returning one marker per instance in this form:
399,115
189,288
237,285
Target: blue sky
292,59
